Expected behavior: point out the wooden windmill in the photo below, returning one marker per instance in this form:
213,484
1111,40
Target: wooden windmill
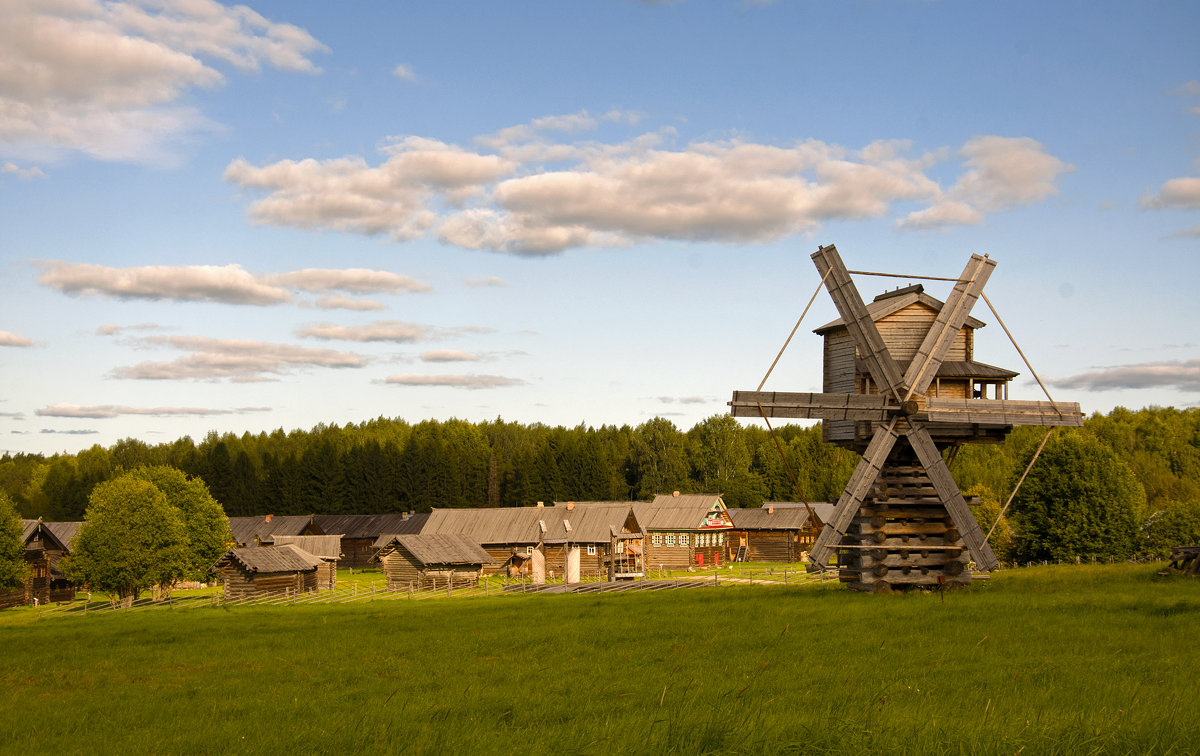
901,384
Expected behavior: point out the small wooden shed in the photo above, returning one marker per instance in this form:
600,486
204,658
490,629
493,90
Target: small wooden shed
255,572
327,548
431,561
360,532
779,531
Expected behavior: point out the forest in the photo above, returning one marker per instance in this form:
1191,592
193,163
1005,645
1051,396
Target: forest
1146,463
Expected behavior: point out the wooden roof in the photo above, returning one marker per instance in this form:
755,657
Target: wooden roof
955,369
822,509
781,518
250,531
435,549
586,524
327,547
886,304
516,525
285,558
370,526
28,528
670,512
63,532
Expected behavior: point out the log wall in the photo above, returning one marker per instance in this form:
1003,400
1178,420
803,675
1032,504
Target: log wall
402,570
240,585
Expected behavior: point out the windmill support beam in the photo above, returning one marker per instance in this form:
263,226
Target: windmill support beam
790,404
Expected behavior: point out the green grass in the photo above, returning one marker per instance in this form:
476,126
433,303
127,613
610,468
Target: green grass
1092,659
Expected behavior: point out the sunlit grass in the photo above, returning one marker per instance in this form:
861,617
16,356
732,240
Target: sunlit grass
1052,660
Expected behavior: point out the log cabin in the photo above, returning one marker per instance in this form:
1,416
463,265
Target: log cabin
258,530
414,561
779,531
256,572
327,548
502,532
360,532
592,539
683,529
46,543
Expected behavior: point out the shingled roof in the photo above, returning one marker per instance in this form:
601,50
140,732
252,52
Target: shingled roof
370,526
326,547
251,531
63,532
516,525
671,512
890,302
446,549
286,558
822,509
586,524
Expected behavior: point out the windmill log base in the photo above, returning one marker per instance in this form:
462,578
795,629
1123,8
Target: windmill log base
903,536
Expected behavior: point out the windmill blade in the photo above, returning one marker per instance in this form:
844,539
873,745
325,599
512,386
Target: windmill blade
952,498
790,404
856,490
1001,412
883,369
947,324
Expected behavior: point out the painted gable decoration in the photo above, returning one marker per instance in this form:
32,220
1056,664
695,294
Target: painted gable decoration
717,517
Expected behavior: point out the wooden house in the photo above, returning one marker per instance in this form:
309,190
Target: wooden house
258,530
431,561
360,532
903,317
592,539
502,531
779,531
255,572
327,548
683,529
46,543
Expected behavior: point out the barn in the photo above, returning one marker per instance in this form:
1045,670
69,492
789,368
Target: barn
360,532
256,572
779,531
683,529
327,548
431,561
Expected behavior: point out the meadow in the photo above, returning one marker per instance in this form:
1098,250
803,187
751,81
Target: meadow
1070,660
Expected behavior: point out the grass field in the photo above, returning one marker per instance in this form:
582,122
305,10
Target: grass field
1070,660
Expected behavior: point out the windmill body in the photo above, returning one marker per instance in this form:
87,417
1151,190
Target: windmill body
901,383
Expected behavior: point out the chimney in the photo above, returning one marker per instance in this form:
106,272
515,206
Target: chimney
541,504
268,518
570,506
675,494
771,509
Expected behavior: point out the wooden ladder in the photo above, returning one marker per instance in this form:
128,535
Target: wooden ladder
741,554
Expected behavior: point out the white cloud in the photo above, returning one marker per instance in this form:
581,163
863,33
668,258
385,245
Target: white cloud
404,71
103,78
380,330
22,173
1002,173
236,360
522,193
1177,193
228,284
107,411
7,338
486,281
1180,375
448,355
112,329
454,381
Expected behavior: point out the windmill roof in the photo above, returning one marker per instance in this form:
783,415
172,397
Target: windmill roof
370,526
956,369
433,549
285,558
881,308
327,547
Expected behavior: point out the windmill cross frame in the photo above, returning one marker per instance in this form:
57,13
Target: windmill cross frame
901,409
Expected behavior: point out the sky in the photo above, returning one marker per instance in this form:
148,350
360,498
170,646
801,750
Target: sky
240,218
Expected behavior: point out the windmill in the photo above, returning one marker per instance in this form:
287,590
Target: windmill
896,398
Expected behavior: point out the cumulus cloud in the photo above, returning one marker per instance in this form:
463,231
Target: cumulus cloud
107,411
7,338
1177,193
227,284
1002,173
1181,375
239,361
541,188
22,173
448,355
454,381
105,78
380,330
347,303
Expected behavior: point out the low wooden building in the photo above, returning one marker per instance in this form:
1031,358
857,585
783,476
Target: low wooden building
684,529
779,531
592,539
255,572
258,530
502,532
327,548
46,543
431,561
360,532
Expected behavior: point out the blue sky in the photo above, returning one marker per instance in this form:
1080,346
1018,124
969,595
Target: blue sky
236,218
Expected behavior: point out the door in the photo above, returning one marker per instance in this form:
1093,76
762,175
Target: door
573,564
537,567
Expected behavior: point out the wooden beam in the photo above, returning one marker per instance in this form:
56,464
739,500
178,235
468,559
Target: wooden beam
790,404
1000,412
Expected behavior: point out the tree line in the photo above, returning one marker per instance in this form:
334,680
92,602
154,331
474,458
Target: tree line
1126,482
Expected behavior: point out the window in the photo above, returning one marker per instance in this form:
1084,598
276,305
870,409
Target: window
685,539
620,547
720,539
591,549
670,539
528,551
656,539
702,540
